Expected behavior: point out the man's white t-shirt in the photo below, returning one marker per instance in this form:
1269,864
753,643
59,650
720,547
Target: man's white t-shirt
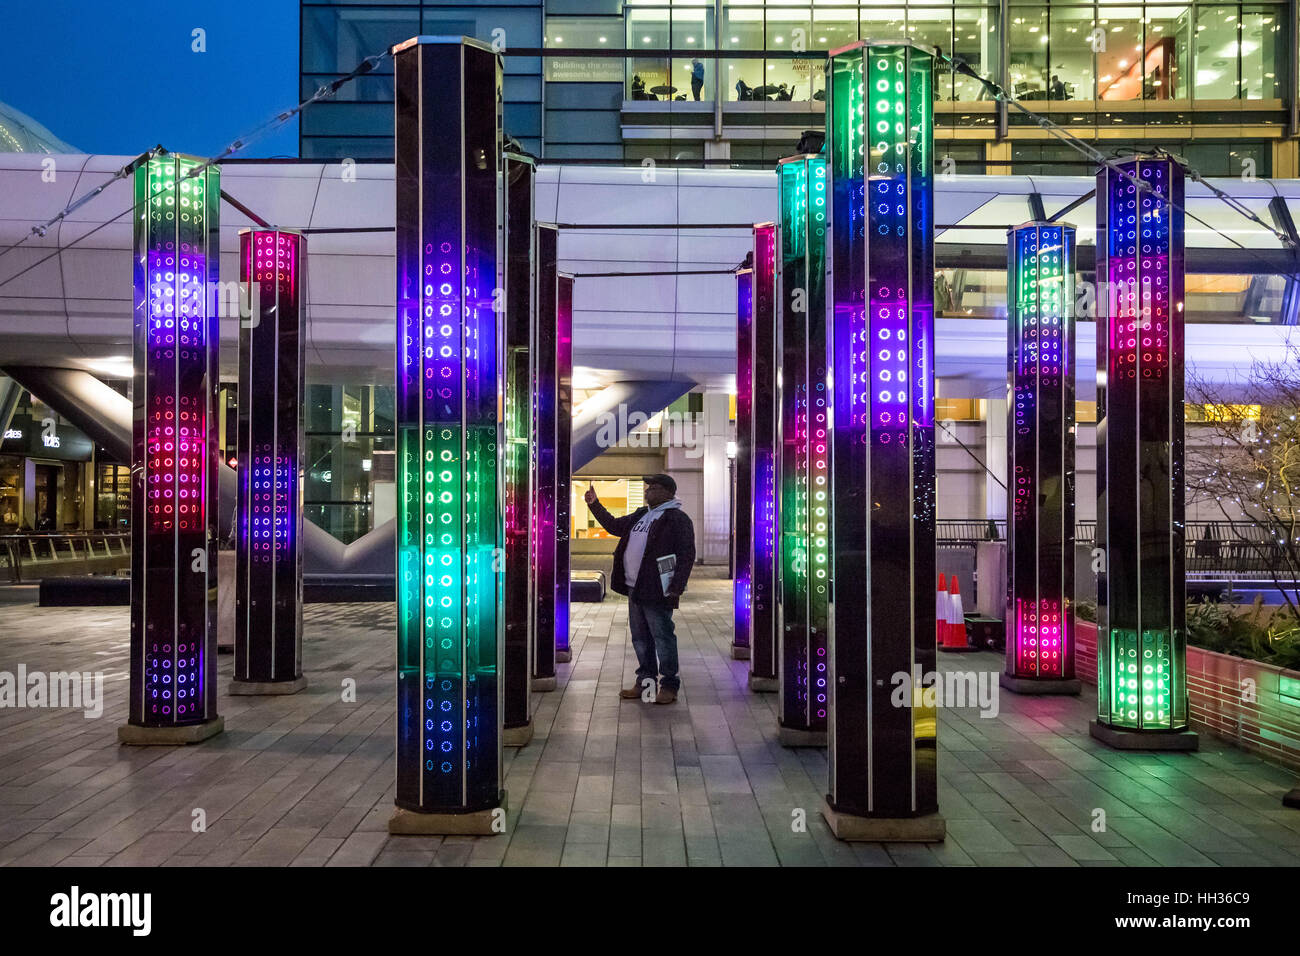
636,539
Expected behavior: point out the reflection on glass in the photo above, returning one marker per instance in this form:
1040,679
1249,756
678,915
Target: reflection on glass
648,77
975,39
1027,69
1070,42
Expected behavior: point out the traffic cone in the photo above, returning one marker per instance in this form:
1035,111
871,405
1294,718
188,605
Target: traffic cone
941,611
955,626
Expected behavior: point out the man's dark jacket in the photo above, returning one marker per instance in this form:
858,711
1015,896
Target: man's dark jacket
671,533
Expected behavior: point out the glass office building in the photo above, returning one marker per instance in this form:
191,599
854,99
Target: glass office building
735,82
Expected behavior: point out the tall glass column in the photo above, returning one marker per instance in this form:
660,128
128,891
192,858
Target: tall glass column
173,680
545,463
450,433
1040,460
742,511
521,289
883,780
803,461
1141,599
268,540
764,644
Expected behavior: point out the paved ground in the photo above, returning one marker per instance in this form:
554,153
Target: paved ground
308,780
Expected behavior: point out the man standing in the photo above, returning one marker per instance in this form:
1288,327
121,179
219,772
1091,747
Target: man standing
655,553
697,78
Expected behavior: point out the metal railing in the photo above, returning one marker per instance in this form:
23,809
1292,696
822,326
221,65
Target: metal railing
43,550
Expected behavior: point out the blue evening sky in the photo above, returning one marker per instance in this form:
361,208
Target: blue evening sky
108,76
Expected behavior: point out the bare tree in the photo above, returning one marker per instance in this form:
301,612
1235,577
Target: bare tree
1247,467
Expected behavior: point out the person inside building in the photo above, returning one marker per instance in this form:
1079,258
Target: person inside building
697,78
652,562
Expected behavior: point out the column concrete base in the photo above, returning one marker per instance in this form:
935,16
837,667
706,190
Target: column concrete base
136,736
405,822
1292,799
852,828
1122,739
253,688
543,683
517,736
791,737
764,685
563,657
959,649
1024,685
740,652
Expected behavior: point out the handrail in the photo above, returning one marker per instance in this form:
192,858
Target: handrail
12,546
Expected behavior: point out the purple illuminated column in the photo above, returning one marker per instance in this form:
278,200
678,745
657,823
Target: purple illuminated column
268,513
563,457
521,290
742,486
764,649
882,756
173,680
450,436
545,466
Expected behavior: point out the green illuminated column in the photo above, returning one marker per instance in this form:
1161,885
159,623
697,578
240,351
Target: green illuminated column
1141,599
449,431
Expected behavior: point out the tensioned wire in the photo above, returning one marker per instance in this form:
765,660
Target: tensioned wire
267,126
955,61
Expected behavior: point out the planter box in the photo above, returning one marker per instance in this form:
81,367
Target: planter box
1255,706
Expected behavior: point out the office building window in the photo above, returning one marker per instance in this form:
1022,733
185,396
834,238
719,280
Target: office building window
584,33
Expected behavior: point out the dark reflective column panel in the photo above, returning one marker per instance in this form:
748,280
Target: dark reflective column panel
268,549
802,458
1141,599
173,680
450,433
545,467
882,738
742,512
764,660
1040,460
521,288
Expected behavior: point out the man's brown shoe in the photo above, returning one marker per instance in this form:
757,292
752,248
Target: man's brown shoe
666,696
633,692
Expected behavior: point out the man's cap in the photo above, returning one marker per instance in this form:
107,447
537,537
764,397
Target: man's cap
662,480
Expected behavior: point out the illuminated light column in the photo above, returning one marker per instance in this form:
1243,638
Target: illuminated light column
1040,459
563,457
268,548
742,487
450,435
1141,600
764,642
173,680
882,752
802,452
544,463
521,289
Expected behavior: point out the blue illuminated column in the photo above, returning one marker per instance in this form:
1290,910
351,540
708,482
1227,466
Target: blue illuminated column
268,543
1141,599
449,409
173,680
521,290
764,644
882,754
742,487
1040,460
802,458
563,457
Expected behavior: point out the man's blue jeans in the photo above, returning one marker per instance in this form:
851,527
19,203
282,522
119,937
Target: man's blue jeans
655,643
